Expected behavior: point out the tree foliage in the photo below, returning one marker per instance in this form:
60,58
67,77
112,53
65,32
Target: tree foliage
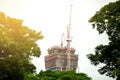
107,20
17,45
65,75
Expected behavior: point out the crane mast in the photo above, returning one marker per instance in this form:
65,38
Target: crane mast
68,41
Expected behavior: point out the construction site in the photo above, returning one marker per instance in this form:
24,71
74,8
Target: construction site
62,58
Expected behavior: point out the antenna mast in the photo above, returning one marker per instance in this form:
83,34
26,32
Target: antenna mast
69,40
62,39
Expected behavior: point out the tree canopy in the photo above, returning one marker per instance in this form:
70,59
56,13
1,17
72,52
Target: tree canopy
107,20
17,45
65,75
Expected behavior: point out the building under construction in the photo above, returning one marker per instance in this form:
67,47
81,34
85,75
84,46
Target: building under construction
62,58
58,58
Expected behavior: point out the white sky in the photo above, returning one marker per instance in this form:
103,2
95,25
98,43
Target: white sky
51,17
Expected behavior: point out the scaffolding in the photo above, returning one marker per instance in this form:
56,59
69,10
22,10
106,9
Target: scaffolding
57,59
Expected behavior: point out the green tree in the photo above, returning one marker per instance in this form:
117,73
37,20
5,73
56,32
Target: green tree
17,45
107,20
31,76
65,75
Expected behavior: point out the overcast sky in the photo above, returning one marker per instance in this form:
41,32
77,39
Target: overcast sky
52,17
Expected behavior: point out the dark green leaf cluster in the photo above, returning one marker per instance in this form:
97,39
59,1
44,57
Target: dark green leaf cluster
108,20
17,45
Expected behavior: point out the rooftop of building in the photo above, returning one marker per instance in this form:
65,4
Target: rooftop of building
60,49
